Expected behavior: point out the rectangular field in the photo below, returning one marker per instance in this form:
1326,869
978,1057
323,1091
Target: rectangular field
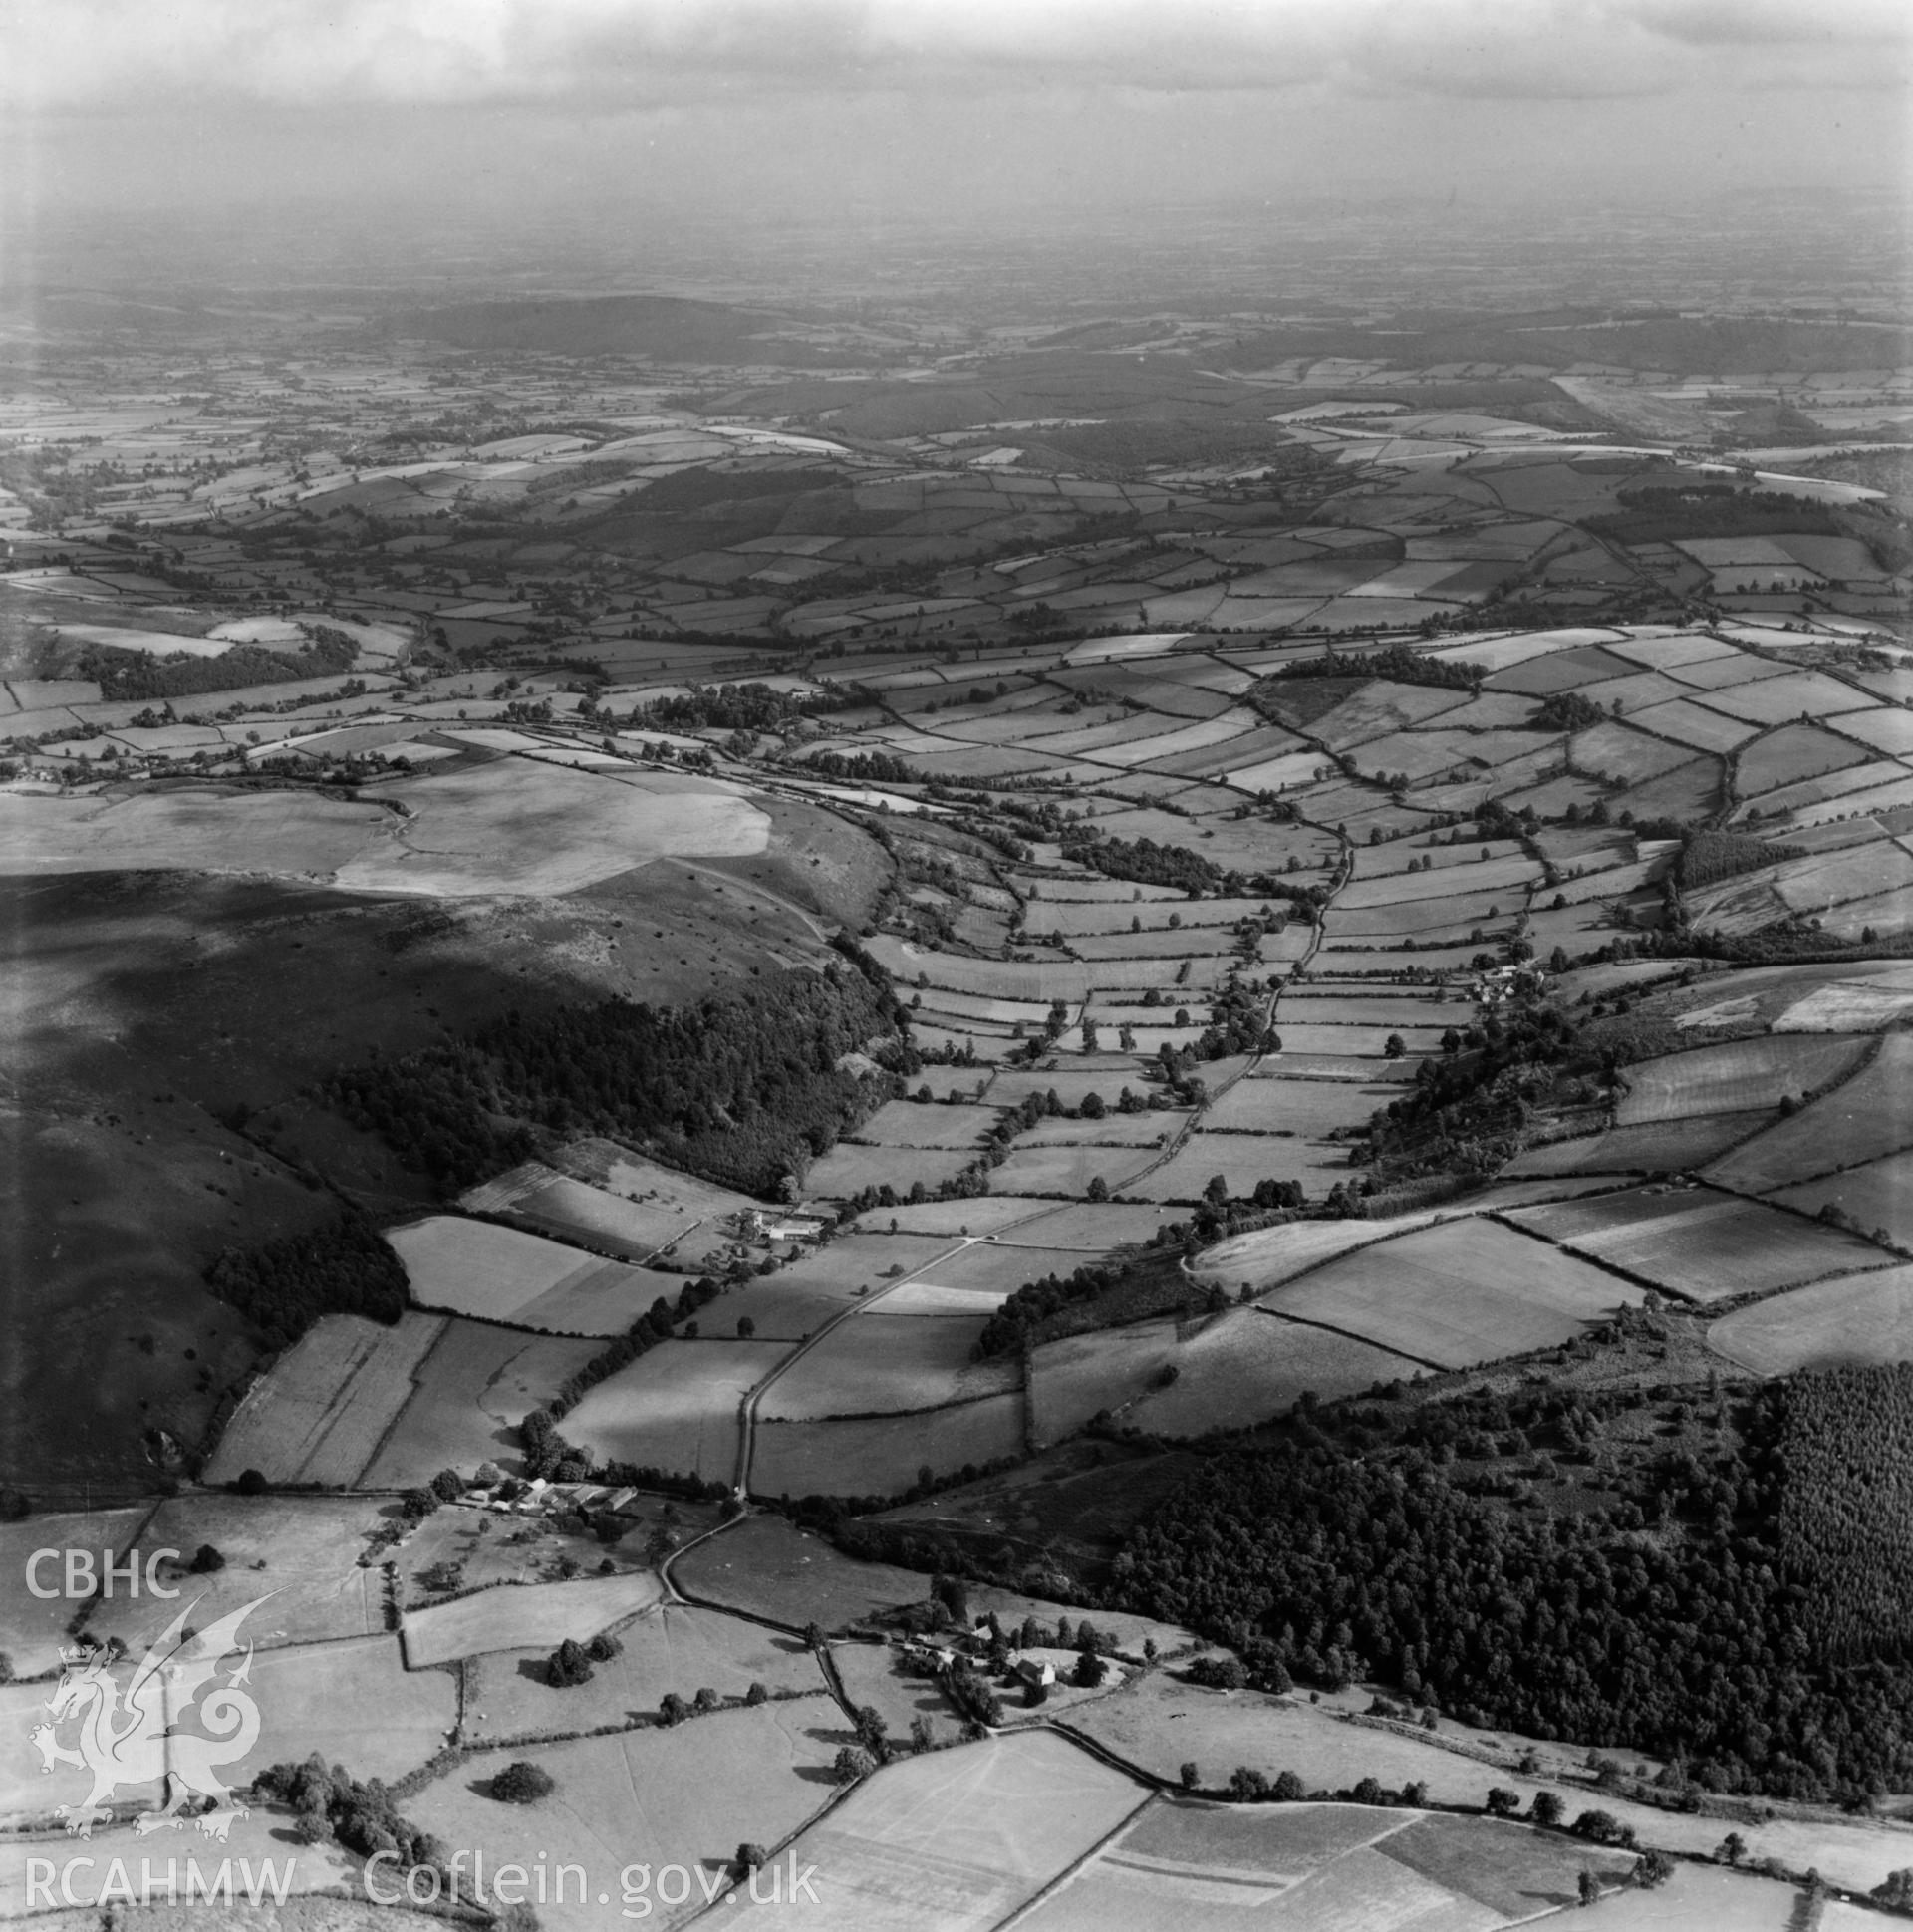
524,1616
1864,1318
869,1366
351,1702
1734,1076
649,1800
882,1456
475,1267
1656,1147
1456,1294
676,1407
1698,1243
957,1839
472,1390
765,1566
669,1647
906,1123
321,1412
847,1168
1870,1114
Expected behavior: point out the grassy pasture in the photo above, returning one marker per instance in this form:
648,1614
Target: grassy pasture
847,1168
669,1647
473,1389
868,1366
1068,1170
1238,1371
957,1839
1655,1147
1734,1076
611,1198
873,1676
1093,1226
1791,755
1793,694
524,1616
1858,873
1420,918
992,979
1617,752
1700,1243
906,1123
1869,1115
766,1567
304,1549
1456,1294
1112,1130
474,1267
1001,1267
881,1456
1242,1160
979,1214
1689,791
1878,1194
674,1407
687,1796
1687,722
1321,1866
355,1702
1510,873
1306,1108
33,1629
1326,1037
321,1412
1860,1318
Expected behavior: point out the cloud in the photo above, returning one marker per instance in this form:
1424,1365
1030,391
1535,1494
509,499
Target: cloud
112,54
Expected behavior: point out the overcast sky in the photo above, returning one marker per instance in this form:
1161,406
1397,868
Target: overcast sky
941,107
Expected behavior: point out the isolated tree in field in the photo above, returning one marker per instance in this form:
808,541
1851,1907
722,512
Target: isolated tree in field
1089,1670
1247,1786
852,1763
568,1665
746,1328
671,1708
1098,1188
1216,1191
750,1857
1394,1046
922,1733
1190,1776
1501,1802
1289,1789
757,1694
706,1700
1092,1107
1733,1849
522,1783
1546,1809
1652,1868
1589,1886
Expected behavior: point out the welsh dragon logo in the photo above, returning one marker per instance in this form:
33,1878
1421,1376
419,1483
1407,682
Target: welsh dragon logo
135,1736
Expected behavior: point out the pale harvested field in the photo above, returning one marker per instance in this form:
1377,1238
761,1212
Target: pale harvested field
882,1456
982,1213
685,1796
523,1616
1862,1318
473,1389
670,1647
676,1407
354,1703
955,1841
321,1413
799,1297
1092,1228
1456,1294
872,1366
306,1550
527,827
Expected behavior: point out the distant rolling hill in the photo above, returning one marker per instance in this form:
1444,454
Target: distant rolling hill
664,328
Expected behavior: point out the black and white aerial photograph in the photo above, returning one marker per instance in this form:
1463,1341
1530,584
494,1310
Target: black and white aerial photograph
956,966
